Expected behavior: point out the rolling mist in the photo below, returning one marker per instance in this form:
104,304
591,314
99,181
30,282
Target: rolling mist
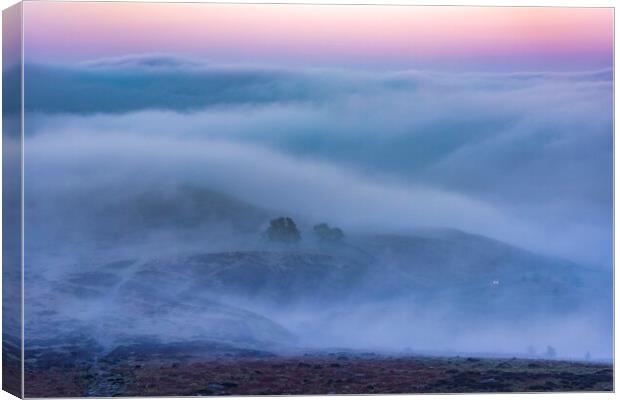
476,208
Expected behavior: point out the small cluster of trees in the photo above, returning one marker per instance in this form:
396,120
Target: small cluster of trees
284,230
550,353
329,235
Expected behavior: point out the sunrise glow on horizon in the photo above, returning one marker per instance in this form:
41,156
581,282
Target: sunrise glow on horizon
437,37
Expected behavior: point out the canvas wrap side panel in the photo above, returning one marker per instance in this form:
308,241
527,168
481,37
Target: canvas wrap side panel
12,232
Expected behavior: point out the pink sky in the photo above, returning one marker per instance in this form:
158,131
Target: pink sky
487,38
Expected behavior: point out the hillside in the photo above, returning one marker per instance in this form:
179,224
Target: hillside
289,296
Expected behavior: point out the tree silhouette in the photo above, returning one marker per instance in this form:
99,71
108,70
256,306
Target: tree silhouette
327,234
283,229
550,353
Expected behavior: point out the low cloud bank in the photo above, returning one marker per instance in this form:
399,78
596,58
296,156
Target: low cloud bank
523,157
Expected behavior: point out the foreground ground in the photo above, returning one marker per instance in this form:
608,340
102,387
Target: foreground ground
143,371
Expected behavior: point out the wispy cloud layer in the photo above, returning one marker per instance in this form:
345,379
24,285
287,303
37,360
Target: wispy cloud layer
522,157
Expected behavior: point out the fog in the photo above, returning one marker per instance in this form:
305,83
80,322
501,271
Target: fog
535,147
315,190
476,207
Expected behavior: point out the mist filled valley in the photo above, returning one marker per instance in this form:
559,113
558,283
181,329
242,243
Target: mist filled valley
204,261
266,212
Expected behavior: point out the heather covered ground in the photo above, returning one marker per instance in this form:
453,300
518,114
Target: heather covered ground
215,370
